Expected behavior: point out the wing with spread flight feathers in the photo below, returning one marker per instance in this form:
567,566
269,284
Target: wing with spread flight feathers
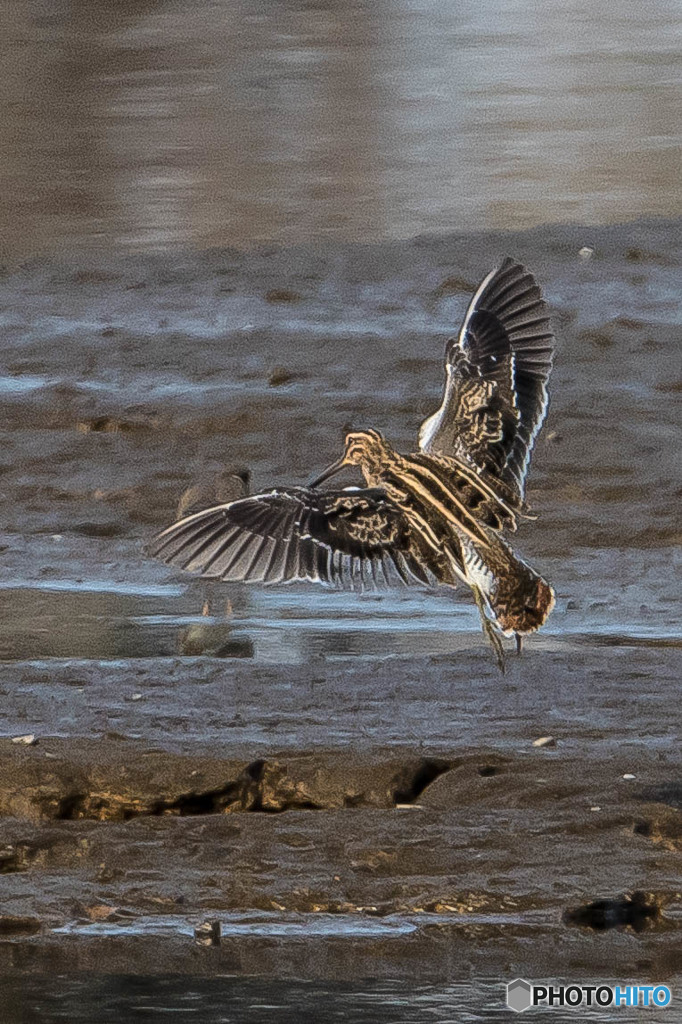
496,380
354,539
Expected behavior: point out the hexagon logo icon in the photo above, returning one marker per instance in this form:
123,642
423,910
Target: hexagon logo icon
519,995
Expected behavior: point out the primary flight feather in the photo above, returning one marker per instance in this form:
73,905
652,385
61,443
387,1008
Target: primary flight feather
435,517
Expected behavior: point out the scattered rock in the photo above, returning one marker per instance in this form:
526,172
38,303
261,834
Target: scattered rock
14,858
544,741
586,253
29,740
100,911
112,425
208,933
282,295
370,861
280,376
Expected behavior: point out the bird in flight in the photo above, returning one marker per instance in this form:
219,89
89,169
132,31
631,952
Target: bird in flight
436,517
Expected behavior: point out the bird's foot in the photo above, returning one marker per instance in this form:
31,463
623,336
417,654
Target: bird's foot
496,644
494,638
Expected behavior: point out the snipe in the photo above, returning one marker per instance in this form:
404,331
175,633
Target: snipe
435,517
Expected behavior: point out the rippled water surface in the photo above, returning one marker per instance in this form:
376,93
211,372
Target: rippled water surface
158,123
238,1001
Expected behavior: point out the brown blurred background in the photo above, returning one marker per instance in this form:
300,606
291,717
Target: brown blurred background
157,123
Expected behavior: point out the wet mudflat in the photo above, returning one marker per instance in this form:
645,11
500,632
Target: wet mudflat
346,783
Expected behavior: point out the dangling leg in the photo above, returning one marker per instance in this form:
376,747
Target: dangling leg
519,642
493,636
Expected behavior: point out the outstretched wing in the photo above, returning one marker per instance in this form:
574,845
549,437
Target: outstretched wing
355,539
496,386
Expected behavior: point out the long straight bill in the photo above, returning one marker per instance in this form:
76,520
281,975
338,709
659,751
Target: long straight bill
330,471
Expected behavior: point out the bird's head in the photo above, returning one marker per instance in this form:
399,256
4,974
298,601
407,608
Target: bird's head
364,448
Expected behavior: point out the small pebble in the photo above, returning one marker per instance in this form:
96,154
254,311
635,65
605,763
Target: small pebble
628,776
100,911
28,741
586,253
136,696
545,741
595,808
207,934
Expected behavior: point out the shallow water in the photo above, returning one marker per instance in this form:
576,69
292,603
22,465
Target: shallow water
129,380
161,124
242,1001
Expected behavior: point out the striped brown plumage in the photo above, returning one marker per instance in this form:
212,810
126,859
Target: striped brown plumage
434,517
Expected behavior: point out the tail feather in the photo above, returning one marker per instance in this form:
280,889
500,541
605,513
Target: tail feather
519,599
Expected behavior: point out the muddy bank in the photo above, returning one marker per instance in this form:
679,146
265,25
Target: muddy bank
434,836
345,783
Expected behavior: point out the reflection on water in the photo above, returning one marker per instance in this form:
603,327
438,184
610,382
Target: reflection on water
156,123
106,620
112,999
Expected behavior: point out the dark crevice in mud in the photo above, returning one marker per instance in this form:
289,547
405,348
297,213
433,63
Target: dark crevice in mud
70,807
354,800
13,926
664,829
638,911
261,787
240,793
14,858
414,779
212,801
